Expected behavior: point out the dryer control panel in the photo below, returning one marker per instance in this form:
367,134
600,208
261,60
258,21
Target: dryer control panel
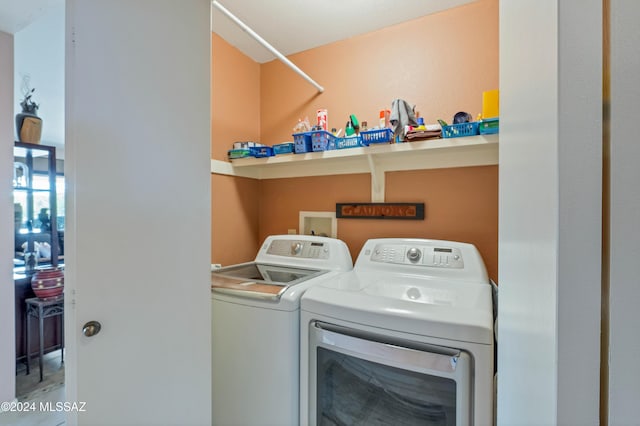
422,255
437,259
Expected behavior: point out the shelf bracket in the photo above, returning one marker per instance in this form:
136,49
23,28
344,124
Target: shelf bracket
377,181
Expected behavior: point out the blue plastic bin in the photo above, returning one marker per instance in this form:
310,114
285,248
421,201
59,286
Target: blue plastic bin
321,140
261,151
377,136
302,142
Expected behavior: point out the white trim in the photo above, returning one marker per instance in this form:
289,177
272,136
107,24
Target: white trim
375,159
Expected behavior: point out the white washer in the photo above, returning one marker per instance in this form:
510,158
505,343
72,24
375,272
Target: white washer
405,338
256,327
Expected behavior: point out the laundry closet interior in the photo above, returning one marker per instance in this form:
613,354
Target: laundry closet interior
253,200
262,102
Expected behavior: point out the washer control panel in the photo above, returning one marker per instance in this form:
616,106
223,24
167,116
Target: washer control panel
299,248
434,256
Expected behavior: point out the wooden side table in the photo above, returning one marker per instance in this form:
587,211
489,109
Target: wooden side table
41,309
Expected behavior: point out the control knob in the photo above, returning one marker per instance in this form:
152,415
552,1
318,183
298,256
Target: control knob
296,248
413,254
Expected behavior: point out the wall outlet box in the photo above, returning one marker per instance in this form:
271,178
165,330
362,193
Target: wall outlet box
323,224
292,231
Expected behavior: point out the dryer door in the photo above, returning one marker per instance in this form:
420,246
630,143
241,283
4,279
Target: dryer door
358,378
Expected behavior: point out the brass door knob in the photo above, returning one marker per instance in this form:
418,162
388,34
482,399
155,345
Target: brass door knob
91,328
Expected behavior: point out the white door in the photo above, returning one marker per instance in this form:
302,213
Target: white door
138,211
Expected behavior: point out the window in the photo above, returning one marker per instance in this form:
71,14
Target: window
40,201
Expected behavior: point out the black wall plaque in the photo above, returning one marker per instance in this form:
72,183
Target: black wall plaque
402,211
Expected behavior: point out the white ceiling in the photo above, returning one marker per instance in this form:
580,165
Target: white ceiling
295,25
289,25
17,14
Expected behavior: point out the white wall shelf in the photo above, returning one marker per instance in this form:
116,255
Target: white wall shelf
375,159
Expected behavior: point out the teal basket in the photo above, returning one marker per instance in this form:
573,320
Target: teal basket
238,153
460,130
489,126
350,142
284,148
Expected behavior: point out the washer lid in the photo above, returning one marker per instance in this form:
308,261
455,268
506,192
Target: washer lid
260,280
459,311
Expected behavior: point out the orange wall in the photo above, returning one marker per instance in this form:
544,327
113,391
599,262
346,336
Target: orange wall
235,98
234,219
441,63
461,204
235,106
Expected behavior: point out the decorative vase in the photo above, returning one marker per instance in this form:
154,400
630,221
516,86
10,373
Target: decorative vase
48,283
28,127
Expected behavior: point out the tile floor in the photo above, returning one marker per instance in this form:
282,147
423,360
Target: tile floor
37,394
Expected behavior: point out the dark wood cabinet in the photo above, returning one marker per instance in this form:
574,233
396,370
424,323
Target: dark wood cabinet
52,334
36,234
35,205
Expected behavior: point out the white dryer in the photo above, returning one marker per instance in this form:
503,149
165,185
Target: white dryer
405,338
256,327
